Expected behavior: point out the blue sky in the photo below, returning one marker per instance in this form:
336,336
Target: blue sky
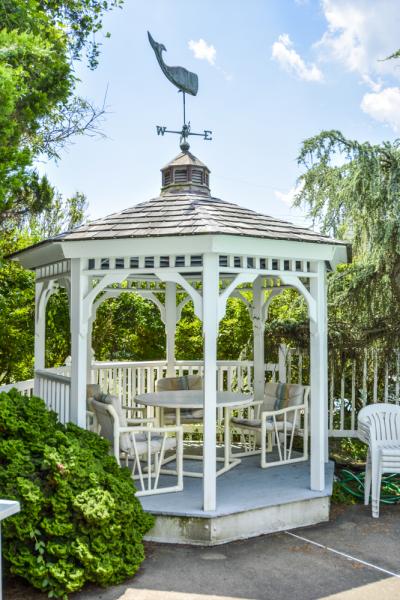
271,73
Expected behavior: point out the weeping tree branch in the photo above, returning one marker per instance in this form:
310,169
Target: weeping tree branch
77,117
352,190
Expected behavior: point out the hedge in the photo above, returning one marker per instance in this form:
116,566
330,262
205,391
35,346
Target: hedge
80,520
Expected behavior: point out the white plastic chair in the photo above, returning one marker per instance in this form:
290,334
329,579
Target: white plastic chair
379,427
137,441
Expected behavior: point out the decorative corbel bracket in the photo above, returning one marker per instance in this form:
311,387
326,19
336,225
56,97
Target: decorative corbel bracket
265,307
193,293
295,282
88,300
228,291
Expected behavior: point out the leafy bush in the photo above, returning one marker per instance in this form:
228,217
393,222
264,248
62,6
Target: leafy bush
80,520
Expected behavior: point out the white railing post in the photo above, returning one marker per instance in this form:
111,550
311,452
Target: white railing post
210,331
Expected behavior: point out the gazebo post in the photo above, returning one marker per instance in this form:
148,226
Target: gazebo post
40,328
170,325
210,331
258,338
89,351
79,351
319,379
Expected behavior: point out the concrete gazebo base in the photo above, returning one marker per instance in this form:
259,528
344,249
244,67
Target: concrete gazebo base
250,501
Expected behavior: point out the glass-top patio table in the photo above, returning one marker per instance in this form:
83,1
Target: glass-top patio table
194,399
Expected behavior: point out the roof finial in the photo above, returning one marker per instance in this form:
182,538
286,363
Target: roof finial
184,143
187,83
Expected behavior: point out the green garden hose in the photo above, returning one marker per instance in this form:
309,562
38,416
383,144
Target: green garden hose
353,483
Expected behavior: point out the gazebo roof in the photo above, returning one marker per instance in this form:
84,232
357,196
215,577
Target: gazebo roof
185,207
191,214
185,158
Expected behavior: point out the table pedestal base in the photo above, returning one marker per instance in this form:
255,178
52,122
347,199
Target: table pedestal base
228,465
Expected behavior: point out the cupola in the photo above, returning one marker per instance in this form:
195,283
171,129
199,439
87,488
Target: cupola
185,173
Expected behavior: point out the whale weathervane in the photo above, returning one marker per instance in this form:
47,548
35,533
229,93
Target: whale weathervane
184,80
187,83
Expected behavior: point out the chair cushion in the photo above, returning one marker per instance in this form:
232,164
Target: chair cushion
246,422
196,413
188,415
106,422
93,390
170,384
116,404
195,382
280,425
186,382
270,392
256,424
155,443
282,395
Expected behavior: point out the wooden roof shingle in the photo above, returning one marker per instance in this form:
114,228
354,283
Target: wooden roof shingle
191,214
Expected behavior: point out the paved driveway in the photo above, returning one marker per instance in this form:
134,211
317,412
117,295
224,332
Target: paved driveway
361,562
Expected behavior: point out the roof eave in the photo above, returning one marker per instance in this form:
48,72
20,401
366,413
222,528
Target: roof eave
51,251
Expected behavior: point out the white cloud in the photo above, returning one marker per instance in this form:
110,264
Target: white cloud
375,86
360,34
288,197
284,53
384,106
203,51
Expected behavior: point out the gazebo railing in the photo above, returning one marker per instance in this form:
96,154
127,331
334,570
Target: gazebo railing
127,379
55,389
351,385
25,387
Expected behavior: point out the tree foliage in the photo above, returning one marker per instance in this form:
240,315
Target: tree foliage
351,190
39,110
17,288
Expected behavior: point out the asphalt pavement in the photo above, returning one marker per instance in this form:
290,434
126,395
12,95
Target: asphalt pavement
351,557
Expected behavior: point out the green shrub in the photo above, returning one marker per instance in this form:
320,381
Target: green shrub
80,520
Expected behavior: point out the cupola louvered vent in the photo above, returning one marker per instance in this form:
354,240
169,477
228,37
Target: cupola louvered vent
197,176
181,175
167,177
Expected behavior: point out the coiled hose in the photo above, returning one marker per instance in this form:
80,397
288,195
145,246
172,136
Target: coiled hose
353,483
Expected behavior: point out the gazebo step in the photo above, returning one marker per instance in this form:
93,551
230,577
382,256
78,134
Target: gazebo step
250,501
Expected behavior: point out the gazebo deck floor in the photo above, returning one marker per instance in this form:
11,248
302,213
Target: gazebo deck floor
250,501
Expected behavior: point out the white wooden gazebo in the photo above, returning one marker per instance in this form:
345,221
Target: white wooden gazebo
185,240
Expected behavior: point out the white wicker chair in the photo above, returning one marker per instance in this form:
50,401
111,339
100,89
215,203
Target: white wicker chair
134,441
278,424
379,427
